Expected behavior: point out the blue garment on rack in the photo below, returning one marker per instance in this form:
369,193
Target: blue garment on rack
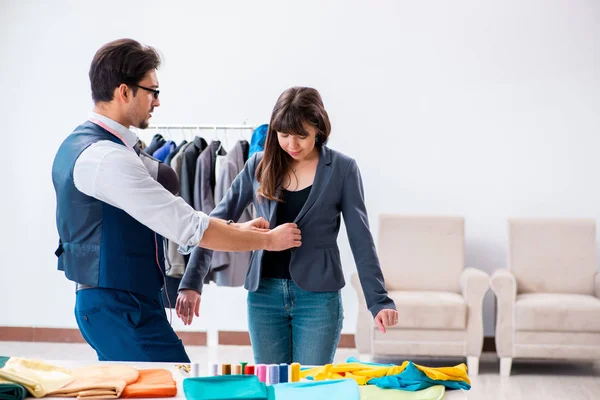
257,142
346,389
162,153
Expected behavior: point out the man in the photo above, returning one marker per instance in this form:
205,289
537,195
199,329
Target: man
111,216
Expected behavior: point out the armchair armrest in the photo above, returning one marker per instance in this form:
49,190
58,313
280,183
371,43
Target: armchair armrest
474,284
504,286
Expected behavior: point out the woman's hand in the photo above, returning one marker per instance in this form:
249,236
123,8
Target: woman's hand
386,318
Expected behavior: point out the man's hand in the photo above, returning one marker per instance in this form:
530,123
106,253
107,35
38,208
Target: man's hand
386,318
188,304
284,237
258,225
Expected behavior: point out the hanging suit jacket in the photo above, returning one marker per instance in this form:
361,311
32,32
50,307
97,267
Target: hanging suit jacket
163,151
188,168
204,182
157,142
316,265
176,261
230,267
173,153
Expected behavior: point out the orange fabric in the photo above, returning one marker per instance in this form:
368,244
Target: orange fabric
152,383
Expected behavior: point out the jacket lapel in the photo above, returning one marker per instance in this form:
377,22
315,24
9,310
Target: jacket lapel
322,177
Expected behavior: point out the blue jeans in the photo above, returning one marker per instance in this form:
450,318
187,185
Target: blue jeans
288,324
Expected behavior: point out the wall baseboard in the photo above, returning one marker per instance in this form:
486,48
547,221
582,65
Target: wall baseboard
231,338
68,335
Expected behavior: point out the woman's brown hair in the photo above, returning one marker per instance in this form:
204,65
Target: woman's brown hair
294,108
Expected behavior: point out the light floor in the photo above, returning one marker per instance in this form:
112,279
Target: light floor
529,381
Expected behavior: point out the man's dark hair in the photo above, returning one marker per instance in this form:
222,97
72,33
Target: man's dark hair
121,61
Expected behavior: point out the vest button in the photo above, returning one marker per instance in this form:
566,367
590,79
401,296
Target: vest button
86,318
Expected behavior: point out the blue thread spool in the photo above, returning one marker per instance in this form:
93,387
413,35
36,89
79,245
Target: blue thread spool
283,373
273,377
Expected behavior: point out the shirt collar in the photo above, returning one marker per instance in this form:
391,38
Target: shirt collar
127,136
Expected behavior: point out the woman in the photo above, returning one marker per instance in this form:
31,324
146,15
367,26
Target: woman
294,304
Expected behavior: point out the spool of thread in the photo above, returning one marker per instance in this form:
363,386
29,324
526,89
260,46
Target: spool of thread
283,373
243,364
295,372
214,369
237,369
261,371
195,370
226,369
249,370
273,377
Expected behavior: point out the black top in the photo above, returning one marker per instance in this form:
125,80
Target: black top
276,264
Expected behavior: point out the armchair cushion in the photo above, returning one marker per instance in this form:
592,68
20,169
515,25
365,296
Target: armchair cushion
430,310
553,255
413,249
549,312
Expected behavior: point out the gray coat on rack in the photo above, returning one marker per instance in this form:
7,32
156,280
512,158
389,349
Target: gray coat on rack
188,168
230,267
204,181
176,262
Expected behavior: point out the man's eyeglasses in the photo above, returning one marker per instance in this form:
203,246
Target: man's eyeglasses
154,91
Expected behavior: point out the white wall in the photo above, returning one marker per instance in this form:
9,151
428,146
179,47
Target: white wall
481,109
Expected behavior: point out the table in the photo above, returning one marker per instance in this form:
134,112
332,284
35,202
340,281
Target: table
179,376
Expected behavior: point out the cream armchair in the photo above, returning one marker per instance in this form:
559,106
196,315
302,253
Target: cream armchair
439,301
548,304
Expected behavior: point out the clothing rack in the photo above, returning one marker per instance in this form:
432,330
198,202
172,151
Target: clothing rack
202,127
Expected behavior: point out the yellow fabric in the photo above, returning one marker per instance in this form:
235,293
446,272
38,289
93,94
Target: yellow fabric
38,377
362,373
371,392
98,381
456,373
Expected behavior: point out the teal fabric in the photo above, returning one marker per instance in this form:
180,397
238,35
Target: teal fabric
223,387
346,389
12,391
411,378
414,379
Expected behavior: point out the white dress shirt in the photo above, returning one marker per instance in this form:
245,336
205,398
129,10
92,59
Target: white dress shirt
114,174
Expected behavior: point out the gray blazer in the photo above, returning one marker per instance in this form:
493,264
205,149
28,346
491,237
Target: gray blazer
315,266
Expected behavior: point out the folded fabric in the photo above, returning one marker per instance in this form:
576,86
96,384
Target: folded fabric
98,381
370,392
11,391
37,377
325,390
91,388
413,378
456,373
227,387
407,376
361,373
152,383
